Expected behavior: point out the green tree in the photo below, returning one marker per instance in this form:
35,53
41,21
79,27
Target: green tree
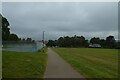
29,40
5,29
61,42
66,41
51,43
95,40
13,37
110,42
102,42
6,36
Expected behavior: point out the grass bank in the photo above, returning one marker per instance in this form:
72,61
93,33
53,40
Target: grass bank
23,64
92,62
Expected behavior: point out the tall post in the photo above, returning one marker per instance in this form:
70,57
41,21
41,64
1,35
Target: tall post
43,39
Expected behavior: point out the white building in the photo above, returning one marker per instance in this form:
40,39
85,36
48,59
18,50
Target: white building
95,45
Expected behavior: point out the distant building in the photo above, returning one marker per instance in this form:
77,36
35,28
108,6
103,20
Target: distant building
95,45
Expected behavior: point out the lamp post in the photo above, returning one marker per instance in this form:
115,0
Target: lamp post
43,38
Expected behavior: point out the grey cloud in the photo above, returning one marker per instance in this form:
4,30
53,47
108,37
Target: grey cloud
59,19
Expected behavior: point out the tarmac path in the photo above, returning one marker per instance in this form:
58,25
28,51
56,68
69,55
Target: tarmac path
58,68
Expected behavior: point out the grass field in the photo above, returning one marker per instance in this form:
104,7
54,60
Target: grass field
92,62
23,64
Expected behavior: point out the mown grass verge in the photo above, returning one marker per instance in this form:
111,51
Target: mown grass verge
92,62
23,64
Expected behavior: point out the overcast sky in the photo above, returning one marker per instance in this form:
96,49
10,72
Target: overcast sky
88,19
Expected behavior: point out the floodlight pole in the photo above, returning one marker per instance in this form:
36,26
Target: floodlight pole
43,38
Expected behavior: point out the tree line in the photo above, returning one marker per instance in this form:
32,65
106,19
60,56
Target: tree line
66,41
11,37
80,41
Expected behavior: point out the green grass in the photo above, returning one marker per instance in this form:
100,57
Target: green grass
92,62
23,64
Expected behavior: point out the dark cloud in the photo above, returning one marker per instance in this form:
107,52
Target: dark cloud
60,19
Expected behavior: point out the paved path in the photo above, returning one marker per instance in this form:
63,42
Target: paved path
58,68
